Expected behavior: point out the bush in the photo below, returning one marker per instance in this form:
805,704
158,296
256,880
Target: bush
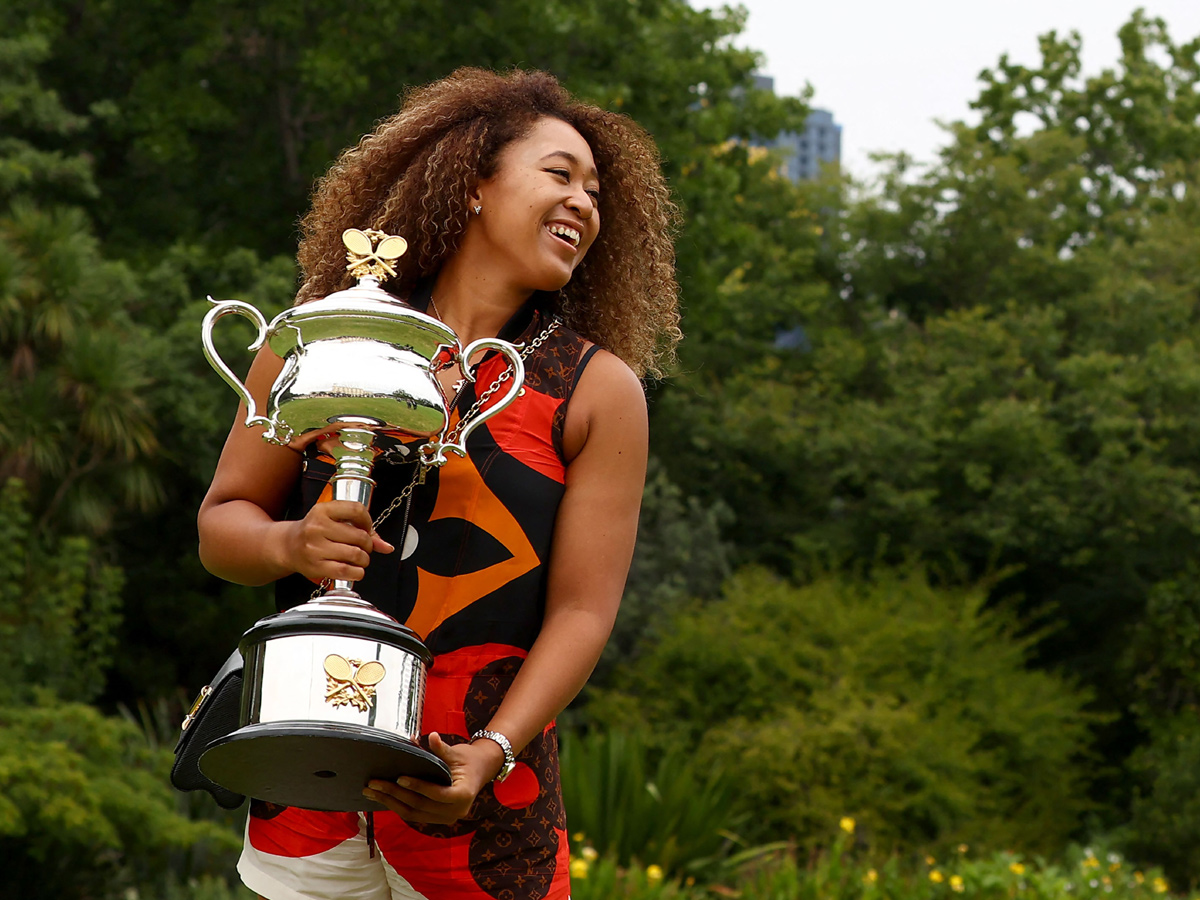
906,705
85,807
675,814
1165,825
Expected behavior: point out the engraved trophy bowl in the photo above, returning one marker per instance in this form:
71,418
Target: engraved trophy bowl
333,689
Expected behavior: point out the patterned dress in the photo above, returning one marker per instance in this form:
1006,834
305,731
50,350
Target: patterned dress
469,576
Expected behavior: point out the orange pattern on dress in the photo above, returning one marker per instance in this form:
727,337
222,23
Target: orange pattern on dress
462,494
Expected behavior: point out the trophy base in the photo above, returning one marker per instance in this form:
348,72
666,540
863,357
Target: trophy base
315,766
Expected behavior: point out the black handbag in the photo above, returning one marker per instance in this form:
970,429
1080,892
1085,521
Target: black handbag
214,714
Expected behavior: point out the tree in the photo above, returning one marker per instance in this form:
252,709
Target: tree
225,112
85,808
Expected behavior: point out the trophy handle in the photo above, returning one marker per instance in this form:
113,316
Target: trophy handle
434,453
237,308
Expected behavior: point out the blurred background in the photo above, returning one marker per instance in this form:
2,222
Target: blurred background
914,610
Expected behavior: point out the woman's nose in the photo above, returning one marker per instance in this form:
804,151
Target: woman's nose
582,204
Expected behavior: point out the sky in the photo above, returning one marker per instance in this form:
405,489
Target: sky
887,70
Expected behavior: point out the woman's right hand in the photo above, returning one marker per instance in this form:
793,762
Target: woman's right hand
334,540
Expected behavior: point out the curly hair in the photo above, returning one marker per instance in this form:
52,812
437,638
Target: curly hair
413,175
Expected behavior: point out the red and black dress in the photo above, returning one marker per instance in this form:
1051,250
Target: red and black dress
469,576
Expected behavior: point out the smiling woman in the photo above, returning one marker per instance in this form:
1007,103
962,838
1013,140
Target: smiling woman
512,560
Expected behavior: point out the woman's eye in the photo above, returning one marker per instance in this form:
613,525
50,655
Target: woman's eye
561,173
595,195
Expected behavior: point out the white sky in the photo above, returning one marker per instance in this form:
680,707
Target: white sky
888,69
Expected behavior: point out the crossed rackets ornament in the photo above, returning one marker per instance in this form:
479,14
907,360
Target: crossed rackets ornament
351,682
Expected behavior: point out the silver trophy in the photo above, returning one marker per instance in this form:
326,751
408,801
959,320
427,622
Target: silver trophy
333,689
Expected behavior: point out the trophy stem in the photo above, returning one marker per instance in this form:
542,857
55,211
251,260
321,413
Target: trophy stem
355,453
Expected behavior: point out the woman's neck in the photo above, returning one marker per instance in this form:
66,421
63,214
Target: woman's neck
471,303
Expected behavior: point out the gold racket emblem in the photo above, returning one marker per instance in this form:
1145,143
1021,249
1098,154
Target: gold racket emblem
372,252
351,682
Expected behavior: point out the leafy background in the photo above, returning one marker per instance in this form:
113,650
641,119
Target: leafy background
918,542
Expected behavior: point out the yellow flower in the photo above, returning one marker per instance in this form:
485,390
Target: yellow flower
1114,867
1139,877
871,877
1090,862
654,873
956,883
1017,868
691,880
1160,885
929,860
936,876
847,825
577,837
579,868
1106,880
589,853
963,848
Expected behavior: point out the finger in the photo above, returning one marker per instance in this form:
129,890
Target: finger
444,795
413,803
379,545
340,552
391,803
339,572
439,747
350,511
349,537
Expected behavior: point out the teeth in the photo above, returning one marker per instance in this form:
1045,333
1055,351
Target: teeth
563,231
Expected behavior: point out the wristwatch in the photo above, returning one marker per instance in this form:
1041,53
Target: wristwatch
510,761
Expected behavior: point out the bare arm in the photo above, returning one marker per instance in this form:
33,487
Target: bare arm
241,537
594,535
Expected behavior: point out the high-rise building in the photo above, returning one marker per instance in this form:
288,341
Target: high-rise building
804,153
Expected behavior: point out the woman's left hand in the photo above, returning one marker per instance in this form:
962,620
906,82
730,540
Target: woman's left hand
471,767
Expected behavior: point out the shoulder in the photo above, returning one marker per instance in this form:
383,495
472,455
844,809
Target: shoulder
607,375
608,400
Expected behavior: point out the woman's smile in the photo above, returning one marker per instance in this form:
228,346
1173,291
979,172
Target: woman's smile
550,174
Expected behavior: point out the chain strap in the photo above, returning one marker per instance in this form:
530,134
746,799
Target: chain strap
504,376
422,468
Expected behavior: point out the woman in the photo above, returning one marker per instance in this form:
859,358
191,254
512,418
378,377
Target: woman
510,563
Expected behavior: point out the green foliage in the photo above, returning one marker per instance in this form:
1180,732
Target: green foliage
33,119
604,879
77,428
907,705
85,807
849,868
225,111
1165,824
680,555
674,812
848,872
59,609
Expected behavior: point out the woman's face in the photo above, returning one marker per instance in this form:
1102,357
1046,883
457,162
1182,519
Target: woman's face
540,210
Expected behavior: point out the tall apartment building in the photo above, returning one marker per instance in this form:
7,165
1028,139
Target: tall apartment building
804,153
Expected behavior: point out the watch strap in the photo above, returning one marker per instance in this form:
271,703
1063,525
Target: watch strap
510,761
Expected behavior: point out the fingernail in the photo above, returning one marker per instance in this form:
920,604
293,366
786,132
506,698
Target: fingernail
404,782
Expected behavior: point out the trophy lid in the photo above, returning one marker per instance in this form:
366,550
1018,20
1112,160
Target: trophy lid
364,310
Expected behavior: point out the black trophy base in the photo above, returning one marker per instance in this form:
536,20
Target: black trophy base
315,766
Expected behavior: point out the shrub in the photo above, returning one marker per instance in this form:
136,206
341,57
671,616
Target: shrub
909,706
675,813
85,807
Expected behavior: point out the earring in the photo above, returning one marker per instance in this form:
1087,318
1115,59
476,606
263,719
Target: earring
478,209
